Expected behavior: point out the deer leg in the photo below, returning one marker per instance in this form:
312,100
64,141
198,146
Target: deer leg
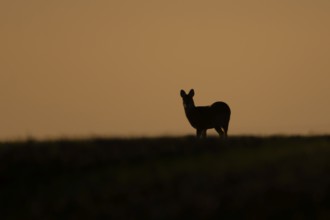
220,131
225,129
198,133
204,133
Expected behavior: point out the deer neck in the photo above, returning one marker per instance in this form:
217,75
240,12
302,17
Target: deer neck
189,108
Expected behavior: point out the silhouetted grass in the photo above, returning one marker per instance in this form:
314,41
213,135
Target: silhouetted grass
166,178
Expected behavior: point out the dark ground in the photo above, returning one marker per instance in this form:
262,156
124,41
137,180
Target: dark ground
166,178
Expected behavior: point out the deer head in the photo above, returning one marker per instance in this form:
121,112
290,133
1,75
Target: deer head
188,101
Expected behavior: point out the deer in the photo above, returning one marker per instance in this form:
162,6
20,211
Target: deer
201,118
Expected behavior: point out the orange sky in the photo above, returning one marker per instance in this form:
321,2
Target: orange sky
115,68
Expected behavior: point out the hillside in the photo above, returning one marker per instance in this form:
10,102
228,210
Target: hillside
166,178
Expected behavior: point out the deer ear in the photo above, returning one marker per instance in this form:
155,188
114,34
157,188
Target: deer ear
191,93
182,93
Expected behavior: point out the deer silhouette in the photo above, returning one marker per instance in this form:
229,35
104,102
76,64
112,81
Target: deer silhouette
201,118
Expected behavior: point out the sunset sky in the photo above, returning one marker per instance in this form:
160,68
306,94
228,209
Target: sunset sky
79,68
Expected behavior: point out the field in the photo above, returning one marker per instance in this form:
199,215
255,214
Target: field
166,178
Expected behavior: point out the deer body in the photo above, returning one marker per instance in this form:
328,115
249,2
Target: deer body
201,118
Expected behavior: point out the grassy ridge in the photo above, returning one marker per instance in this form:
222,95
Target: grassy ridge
166,178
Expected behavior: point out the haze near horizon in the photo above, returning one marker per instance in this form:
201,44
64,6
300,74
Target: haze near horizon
115,68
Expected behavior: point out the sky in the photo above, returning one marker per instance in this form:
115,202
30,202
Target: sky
80,68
